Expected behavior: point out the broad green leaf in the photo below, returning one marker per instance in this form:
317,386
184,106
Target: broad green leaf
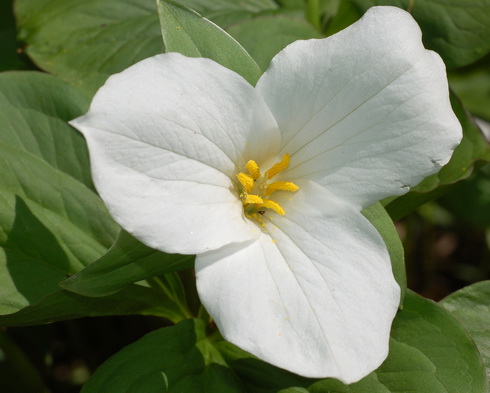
369,384
429,352
473,147
10,57
263,37
471,307
85,41
294,4
126,262
457,29
228,12
380,219
51,223
470,201
256,375
187,32
34,110
174,359
347,14
472,86
63,305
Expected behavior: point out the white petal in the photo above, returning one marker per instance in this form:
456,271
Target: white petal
365,112
315,296
166,137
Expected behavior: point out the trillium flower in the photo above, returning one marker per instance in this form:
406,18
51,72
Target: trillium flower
266,184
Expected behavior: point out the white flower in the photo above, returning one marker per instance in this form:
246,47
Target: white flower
296,276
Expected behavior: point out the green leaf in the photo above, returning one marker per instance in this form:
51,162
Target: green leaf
457,29
256,375
187,32
472,86
126,262
51,223
435,336
293,4
174,359
85,41
10,57
264,36
346,15
471,307
229,12
63,305
429,352
472,148
471,199
369,384
380,219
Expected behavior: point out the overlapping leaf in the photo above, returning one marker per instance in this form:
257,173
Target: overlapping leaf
64,305
229,12
175,359
264,36
429,352
380,219
52,222
126,262
457,29
85,41
471,307
187,32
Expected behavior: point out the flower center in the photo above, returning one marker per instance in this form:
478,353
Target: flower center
256,188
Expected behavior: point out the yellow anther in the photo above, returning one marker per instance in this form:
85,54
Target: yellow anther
279,167
280,186
253,199
253,169
246,181
267,203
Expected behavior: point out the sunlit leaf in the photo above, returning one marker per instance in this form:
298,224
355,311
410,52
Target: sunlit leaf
52,222
85,41
187,32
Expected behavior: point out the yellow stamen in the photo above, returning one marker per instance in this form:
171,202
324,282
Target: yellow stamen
280,186
253,199
267,203
246,181
253,169
279,167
